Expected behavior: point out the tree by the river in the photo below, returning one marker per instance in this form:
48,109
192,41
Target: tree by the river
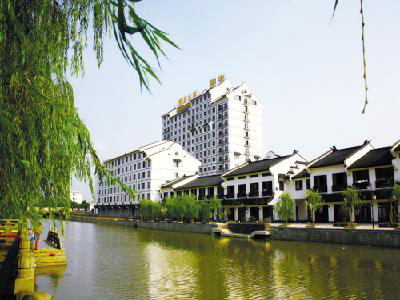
43,141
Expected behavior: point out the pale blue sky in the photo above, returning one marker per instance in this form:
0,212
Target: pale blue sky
306,70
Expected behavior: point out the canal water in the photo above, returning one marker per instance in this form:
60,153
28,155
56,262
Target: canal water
107,261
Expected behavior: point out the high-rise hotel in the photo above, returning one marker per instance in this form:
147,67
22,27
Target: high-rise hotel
221,126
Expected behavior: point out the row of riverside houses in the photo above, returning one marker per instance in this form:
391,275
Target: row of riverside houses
250,191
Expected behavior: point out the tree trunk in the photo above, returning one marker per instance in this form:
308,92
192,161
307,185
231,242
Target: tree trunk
352,216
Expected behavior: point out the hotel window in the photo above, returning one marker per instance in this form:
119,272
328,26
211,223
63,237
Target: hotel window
384,177
266,188
339,182
148,184
241,190
308,185
298,185
143,175
320,183
143,185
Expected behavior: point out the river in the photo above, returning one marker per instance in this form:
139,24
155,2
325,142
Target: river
110,261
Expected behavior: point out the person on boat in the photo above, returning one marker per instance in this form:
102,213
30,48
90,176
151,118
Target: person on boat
31,237
38,232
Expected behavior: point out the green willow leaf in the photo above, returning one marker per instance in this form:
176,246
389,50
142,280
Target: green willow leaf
43,141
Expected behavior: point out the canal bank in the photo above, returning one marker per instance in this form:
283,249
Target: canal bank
377,237
109,261
19,261
205,228
362,235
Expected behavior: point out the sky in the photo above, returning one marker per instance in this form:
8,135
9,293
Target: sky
305,67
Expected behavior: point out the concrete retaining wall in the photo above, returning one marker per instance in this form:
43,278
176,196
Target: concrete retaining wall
178,227
96,219
388,238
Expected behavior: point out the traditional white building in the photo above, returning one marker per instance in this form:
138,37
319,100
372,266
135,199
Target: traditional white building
144,170
76,196
372,171
252,190
221,126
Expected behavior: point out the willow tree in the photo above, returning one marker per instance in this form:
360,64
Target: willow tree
43,141
285,207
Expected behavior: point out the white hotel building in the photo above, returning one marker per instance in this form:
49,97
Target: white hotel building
221,126
145,170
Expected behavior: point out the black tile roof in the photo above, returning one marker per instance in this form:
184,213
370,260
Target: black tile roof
336,157
374,158
302,174
256,166
203,181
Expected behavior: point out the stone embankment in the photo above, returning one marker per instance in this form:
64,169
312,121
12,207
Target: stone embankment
377,237
164,226
18,262
326,233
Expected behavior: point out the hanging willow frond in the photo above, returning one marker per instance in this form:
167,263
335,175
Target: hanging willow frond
363,50
43,141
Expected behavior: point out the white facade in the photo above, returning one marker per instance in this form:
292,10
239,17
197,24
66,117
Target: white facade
222,126
145,170
379,168
76,196
260,183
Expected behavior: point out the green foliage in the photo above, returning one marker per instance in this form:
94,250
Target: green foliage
85,205
170,204
180,208
351,201
314,201
285,207
43,141
215,205
75,205
205,212
393,204
396,191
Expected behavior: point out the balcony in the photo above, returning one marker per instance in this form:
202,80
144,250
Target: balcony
241,194
230,195
384,182
267,192
361,184
321,188
254,194
339,187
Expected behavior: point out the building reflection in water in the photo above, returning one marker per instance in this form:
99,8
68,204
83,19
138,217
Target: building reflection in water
116,262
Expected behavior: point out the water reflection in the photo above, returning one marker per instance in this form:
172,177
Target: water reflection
116,262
